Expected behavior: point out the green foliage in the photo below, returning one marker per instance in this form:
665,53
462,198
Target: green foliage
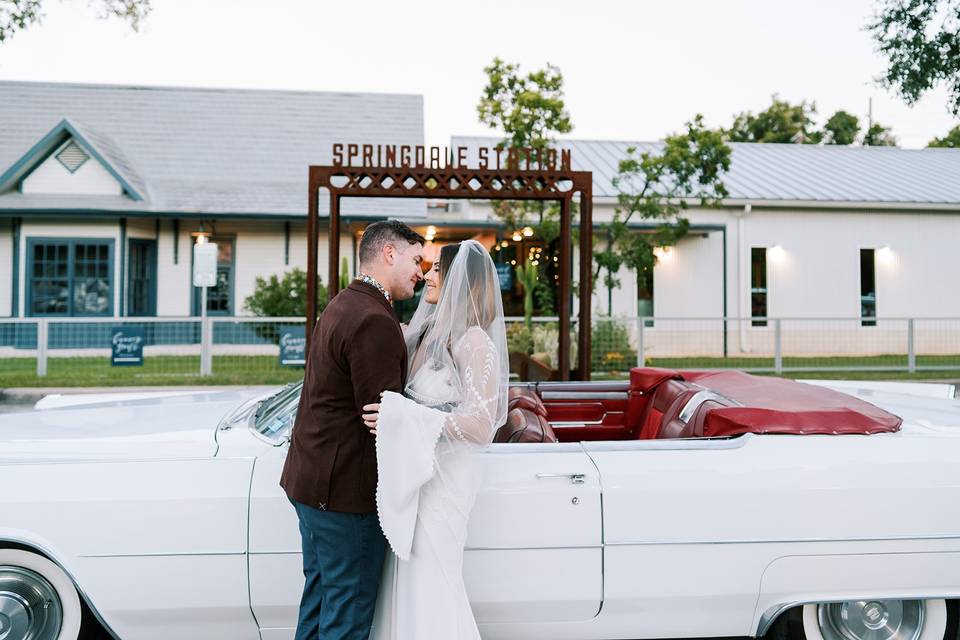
519,338
286,296
610,347
951,140
527,275
920,40
780,122
530,111
841,128
543,299
344,274
878,136
17,15
656,187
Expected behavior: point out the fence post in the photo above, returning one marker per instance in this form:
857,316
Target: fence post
777,348
206,346
42,333
641,360
911,351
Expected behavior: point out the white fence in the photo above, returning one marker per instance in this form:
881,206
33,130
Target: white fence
244,347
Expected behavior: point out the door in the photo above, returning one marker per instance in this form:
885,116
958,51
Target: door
142,290
533,553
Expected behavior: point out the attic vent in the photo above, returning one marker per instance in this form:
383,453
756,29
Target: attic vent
72,157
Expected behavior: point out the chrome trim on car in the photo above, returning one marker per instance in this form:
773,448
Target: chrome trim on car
592,386
699,398
52,558
675,444
576,423
671,543
584,395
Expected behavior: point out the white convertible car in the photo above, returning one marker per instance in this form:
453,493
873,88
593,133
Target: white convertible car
672,505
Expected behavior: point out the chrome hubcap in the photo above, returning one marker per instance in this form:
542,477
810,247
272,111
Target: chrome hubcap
29,606
871,620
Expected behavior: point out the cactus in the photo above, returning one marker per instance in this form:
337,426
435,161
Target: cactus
344,274
527,276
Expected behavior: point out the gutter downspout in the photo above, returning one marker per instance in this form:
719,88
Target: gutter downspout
743,309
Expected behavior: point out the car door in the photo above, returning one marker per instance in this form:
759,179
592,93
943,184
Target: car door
534,549
533,552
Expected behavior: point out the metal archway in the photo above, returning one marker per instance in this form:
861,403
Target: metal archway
456,182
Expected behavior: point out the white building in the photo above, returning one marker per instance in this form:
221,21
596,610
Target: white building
101,188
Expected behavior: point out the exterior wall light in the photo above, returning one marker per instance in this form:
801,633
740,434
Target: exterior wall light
777,253
663,253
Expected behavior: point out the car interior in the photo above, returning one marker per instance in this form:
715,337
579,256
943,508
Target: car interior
664,404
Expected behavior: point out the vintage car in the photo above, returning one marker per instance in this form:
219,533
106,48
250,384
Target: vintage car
672,505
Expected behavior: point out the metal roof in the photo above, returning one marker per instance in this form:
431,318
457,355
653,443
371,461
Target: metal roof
195,151
815,175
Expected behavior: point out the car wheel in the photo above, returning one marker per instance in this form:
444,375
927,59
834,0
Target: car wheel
37,599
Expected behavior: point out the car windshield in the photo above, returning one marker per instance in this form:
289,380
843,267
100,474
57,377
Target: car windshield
275,414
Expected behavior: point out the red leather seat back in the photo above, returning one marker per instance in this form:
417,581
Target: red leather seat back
643,418
670,399
524,425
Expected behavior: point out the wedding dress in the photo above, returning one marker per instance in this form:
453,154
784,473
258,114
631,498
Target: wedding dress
427,471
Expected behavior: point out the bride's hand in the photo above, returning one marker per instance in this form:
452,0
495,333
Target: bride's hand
372,415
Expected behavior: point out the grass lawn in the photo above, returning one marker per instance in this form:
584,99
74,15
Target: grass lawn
156,370
251,370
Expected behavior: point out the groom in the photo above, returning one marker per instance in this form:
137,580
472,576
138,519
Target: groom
330,474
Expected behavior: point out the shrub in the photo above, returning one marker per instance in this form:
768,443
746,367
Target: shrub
284,296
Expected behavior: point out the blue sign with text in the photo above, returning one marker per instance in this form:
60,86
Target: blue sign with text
293,346
126,346
505,273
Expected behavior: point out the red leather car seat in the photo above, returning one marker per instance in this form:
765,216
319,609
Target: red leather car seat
526,418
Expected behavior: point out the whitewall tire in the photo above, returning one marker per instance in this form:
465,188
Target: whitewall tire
878,620
37,599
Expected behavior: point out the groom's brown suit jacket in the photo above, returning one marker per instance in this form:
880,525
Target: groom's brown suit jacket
357,351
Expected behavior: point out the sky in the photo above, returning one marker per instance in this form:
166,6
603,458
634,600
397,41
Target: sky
633,70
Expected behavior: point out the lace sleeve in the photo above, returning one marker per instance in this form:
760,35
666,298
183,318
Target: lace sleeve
473,419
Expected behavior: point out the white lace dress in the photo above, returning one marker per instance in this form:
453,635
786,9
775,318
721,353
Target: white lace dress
426,489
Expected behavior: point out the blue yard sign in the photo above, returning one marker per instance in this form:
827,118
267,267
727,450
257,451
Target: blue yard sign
126,346
293,346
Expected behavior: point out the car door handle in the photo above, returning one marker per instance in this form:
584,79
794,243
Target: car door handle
575,478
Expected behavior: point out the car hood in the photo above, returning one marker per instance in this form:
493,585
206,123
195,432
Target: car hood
164,427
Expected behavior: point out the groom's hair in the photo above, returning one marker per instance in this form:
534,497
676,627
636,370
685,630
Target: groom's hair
384,232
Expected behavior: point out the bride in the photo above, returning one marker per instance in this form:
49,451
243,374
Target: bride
455,399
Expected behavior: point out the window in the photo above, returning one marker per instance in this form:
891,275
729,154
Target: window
868,288
69,277
758,286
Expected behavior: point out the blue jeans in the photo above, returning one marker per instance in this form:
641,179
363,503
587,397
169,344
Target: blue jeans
343,557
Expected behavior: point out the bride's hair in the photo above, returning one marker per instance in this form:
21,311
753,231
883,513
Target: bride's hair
477,281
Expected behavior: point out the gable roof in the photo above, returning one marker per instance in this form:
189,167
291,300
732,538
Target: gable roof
202,151
794,174
99,146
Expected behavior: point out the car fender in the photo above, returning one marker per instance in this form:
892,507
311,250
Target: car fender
791,581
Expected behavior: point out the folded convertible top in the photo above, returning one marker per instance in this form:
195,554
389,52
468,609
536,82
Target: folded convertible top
760,404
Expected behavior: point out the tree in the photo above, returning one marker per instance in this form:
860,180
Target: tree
952,139
878,135
286,296
841,128
530,111
921,41
17,15
657,187
780,122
